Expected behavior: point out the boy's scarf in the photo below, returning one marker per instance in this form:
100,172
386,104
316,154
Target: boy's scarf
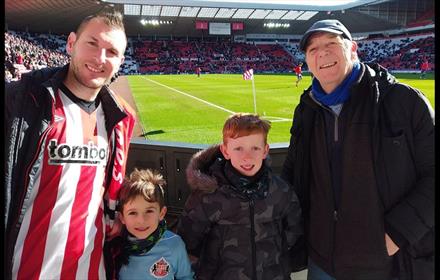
255,187
341,93
134,247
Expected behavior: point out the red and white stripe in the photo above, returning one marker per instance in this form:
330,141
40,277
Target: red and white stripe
62,233
248,74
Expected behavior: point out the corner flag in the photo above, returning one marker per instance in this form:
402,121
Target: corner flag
248,74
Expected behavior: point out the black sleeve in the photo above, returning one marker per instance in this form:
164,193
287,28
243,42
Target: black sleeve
13,92
409,220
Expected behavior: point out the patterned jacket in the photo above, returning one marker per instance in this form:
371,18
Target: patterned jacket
235,234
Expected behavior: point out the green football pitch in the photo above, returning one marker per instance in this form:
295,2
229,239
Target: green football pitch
185,108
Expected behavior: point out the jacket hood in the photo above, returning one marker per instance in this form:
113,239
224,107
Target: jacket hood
380,78
380,73
197,174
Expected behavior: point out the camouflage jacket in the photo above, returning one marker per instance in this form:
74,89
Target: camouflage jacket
236,234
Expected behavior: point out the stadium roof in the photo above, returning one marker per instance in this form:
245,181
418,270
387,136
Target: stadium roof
232,8
62,16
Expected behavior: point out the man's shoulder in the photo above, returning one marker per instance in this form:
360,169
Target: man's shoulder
404,100
122,103
402,92
38,77
30,82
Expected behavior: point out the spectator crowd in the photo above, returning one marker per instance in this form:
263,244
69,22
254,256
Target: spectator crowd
25,52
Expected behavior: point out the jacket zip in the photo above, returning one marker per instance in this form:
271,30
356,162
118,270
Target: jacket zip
31,163
336,131
254,249
335,220
335,211
20,124
111,148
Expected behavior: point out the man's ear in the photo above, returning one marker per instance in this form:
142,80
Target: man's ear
70,42
163,212
354,46
224,151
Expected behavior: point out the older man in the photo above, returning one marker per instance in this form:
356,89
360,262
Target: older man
361,159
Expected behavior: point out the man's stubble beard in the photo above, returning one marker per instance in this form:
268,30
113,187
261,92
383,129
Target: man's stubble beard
82,80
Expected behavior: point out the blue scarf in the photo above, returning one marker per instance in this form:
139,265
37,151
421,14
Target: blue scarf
341,93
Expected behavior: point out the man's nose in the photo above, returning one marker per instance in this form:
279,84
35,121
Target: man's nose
102,55
323,51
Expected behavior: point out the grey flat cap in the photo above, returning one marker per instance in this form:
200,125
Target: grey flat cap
327,25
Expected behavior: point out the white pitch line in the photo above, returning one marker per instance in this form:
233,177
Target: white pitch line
283,120
189,95
276,119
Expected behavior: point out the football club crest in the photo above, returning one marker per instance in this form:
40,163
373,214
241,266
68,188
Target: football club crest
160,269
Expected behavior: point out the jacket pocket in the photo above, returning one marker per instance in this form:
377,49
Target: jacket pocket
415,268
399,166
424,247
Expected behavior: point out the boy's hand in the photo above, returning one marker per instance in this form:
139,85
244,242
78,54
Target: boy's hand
115,231
392,248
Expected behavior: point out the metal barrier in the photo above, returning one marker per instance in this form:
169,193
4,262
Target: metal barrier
171,160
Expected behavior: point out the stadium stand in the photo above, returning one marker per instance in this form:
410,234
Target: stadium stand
25,52
402,53
393,33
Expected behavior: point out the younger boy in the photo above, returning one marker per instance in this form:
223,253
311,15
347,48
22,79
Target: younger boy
146,249
240,219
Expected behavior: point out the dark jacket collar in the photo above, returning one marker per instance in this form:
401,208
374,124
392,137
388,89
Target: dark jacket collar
200,175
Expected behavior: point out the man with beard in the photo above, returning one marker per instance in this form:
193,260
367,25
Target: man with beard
66,148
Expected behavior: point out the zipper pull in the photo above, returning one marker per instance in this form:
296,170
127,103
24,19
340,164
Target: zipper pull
335,215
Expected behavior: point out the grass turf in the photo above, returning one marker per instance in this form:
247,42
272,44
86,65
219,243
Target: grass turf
185,108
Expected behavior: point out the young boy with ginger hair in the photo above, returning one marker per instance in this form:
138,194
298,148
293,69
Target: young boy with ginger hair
240,219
